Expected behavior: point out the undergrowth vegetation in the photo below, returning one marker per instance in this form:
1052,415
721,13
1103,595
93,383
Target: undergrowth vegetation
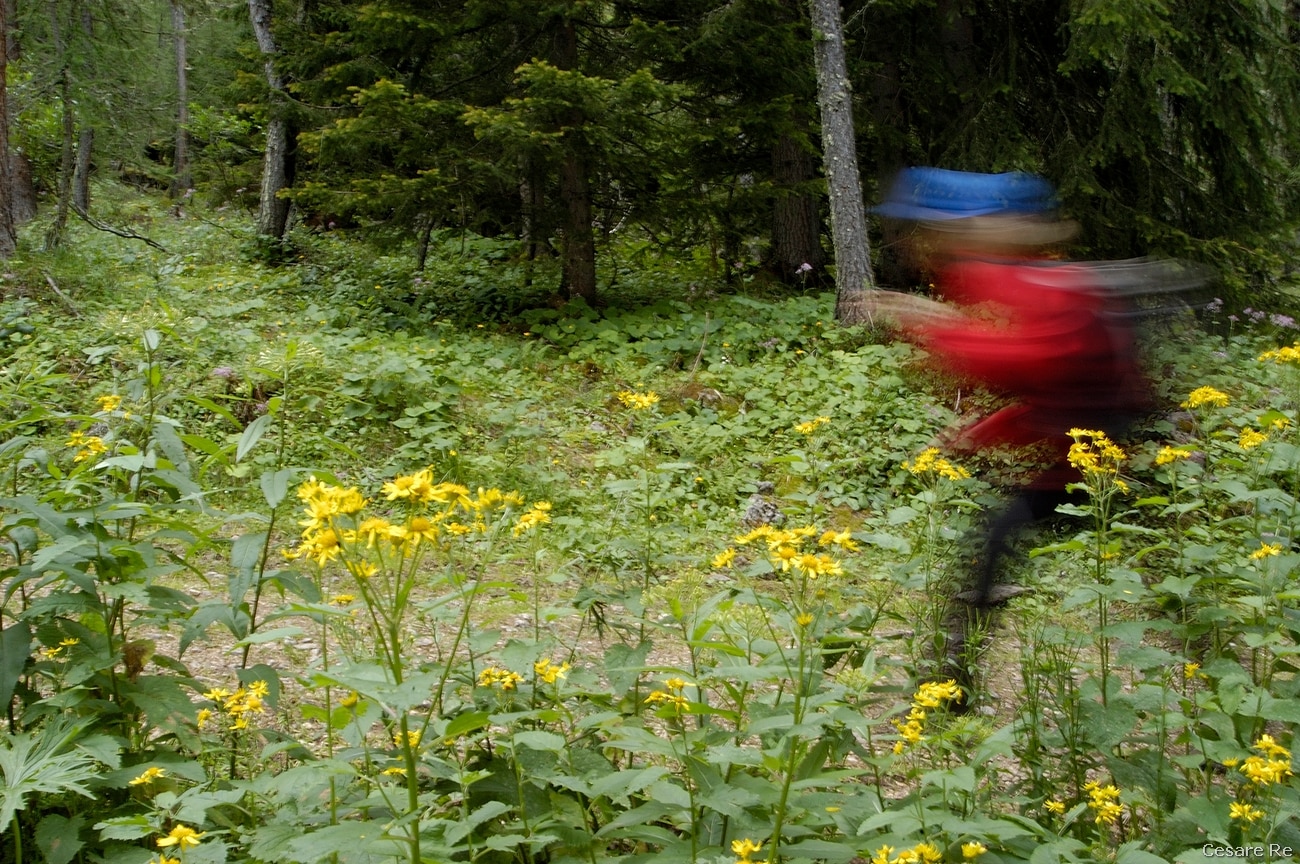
336,561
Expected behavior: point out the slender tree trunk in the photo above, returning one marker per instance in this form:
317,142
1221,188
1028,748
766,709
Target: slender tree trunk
81,171
181,181
54,237
85,138
578,254
839,155
796,228
273,211
8,237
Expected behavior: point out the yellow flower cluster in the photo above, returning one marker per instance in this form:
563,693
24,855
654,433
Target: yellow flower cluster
182,837
1274,766
1250,438
238,705
494,676
1266,550
973,850
54,652
745,849
1104,802
921,853
1054,807
638,401
1289,354
412,738
811,426
930,462
784,550
1244,812
1168,455
538,514
672,696
1093,453
548,672
109,403
88,446
324,538
1206,396
930,695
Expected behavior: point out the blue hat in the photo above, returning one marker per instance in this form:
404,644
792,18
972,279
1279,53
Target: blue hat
937,195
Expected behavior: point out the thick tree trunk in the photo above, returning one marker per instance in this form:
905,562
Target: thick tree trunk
839,155
81,172
578,255
273,211
181,181
796,228
8,237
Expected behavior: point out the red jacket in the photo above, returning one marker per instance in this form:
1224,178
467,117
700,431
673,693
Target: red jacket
1044,335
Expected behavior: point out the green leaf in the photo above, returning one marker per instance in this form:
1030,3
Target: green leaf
57,838
15,649
125,828
539,740
252,434
275,486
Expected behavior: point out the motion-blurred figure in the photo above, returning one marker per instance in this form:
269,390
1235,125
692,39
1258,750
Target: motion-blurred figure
1046,334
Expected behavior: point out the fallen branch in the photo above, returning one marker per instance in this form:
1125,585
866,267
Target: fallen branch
120,232
67,301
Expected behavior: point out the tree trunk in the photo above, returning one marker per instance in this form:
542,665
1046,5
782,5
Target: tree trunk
8,237
839,155
578,254
81,172
181,181
54,236
272,211
796,229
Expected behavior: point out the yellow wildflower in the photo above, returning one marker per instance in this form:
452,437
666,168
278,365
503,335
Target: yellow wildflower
973,850
1266,550
496,677
90,445
638,401
1172,454
745,850
677,701
1250,439
1104,803
1244,812
1190,670
182,837
150,774
842,539
1269,747
1206,396
881,855
804,619
811,426
362,569
548,671
412,738
539,514
930,462
1054,807
163,859
109,402
1290,354
724,558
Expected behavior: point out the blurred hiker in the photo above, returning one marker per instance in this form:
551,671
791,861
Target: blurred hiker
1040,331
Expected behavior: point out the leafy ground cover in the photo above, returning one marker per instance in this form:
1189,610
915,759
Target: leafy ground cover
480,584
